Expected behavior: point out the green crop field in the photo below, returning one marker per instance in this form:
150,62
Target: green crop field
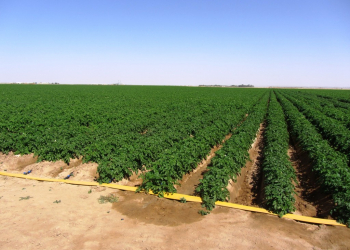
165,132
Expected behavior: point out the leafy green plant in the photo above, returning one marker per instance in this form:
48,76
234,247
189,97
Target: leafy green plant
57,201
202,212
183,200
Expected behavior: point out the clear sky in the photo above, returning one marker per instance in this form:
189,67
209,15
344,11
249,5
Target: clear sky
177,42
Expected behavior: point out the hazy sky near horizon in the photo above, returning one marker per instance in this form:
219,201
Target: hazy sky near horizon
177,42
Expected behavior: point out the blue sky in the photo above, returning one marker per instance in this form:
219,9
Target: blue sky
176,42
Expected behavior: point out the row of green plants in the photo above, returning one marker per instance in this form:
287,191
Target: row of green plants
325,106
343,96
182,158
345,106
340,99
332,130
229,160
330,165
122,128
277,170
169,130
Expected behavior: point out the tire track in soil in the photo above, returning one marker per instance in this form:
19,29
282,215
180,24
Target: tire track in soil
248,189
190,180
309,200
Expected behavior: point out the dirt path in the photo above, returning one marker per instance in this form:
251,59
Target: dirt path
310,200
140,221
247,190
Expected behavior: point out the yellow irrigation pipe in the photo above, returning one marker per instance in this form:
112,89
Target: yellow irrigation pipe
177,196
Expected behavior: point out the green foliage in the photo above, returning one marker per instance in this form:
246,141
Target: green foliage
229,160
183,200
277,169
185,155
202,212
106,124
330,165
326,106
330,129
338,98
169,130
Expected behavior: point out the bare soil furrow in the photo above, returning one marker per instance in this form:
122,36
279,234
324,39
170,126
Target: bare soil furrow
247,190
310,200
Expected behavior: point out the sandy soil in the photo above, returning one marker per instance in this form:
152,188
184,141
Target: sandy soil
140,221
44,215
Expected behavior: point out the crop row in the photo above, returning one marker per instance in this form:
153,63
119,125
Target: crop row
337,103
332,130
277,169
330,165
339,99
184,157
323,105
336,97
229,160
167,131
122,128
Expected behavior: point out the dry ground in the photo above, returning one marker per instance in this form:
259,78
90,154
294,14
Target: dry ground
140,221
136,221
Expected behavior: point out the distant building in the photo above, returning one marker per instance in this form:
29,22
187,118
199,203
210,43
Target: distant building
232,86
